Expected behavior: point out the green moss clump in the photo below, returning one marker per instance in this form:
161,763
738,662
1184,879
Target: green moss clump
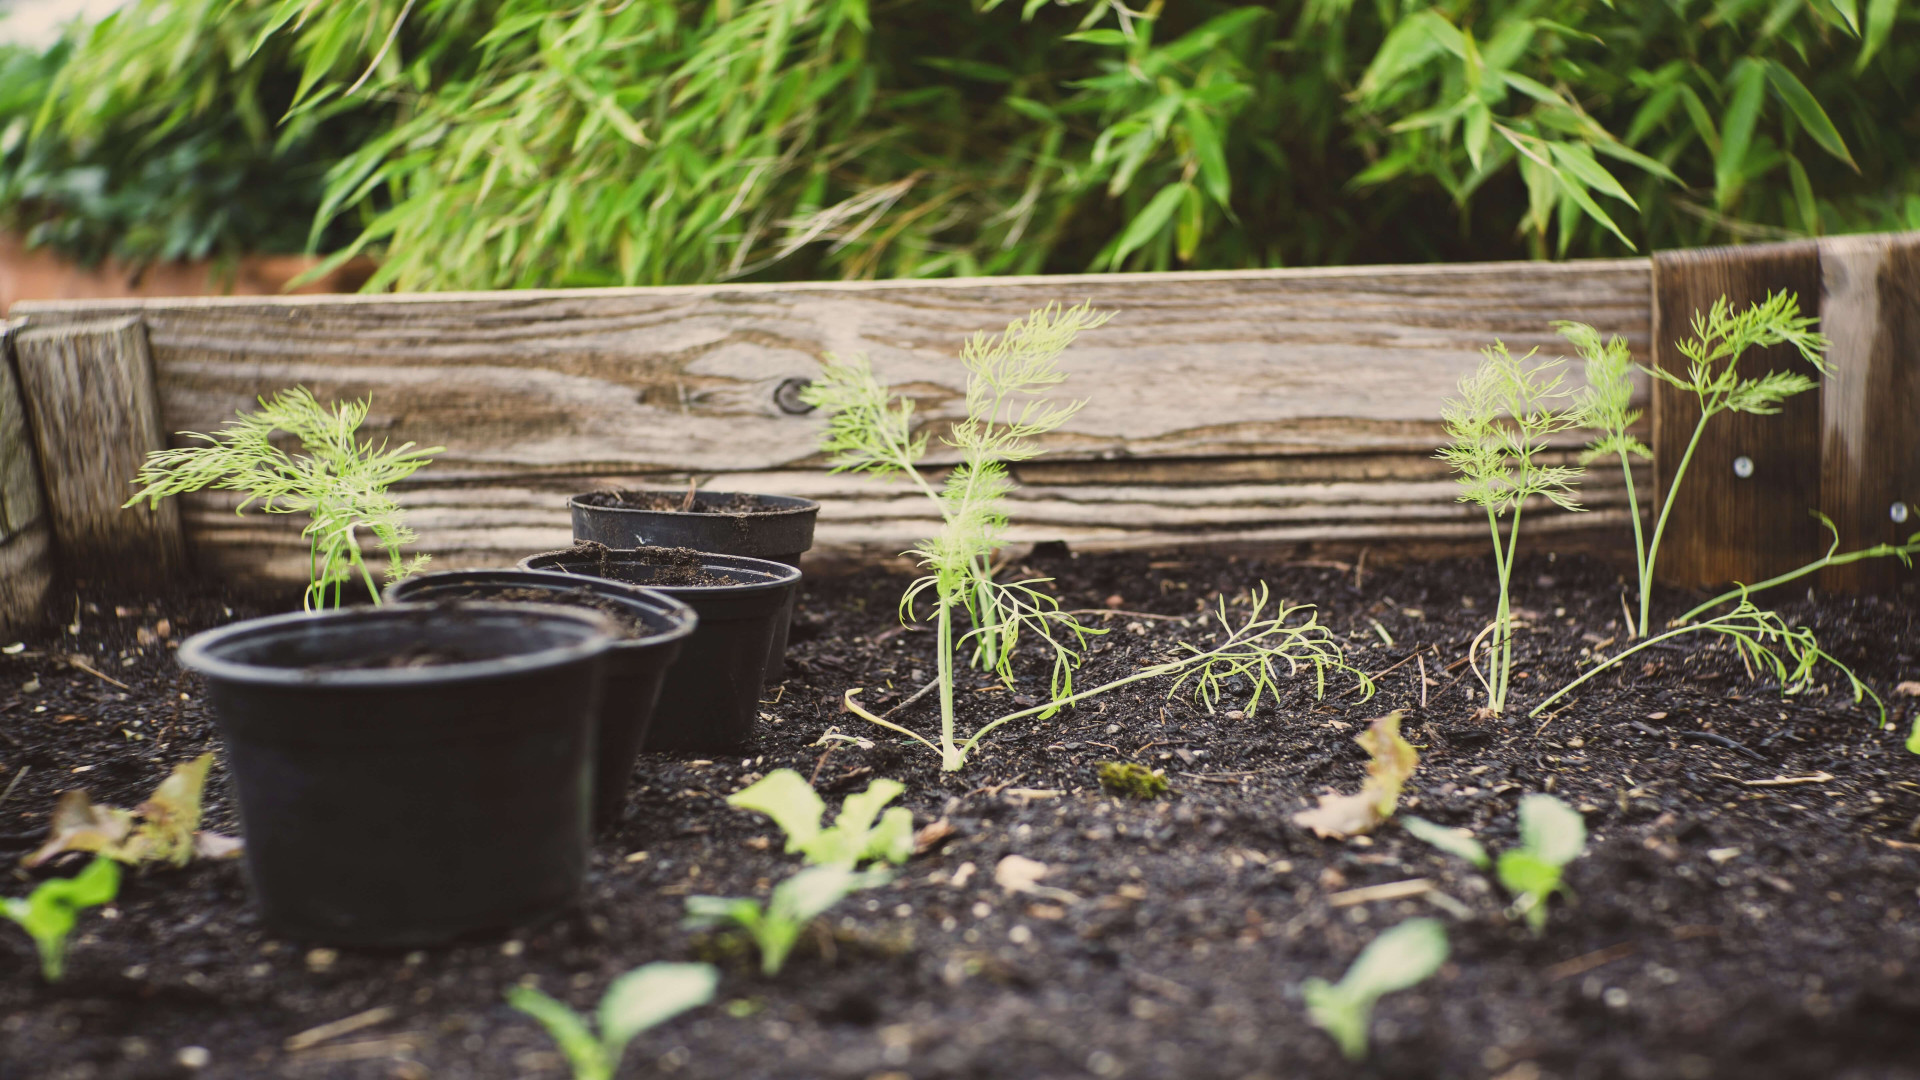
1130,780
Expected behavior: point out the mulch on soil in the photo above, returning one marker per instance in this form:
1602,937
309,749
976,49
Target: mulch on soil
1748,906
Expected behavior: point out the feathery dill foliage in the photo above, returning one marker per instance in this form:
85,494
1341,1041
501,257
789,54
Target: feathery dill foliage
1721,335
1505,417
506,143
339,481
1008,377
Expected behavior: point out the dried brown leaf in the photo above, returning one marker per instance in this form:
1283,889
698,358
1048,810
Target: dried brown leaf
79,825
1391,760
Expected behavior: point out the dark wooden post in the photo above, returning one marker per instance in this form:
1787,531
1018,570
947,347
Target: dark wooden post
26,560
89,391
1725,526
1850,449
1870,446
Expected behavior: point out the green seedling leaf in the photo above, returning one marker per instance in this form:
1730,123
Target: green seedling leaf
792,804
643,998
1400,958
651,995
786,797
1552,834
167,830
1390,761
795,903
49,912
1456,842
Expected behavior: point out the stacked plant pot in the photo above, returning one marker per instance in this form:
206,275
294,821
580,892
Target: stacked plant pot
778,528
711,698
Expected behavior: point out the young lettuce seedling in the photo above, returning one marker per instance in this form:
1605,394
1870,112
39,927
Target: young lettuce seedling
796,902
642,998
792,804
340,482
1400,958
1552,834
50,911
1506,415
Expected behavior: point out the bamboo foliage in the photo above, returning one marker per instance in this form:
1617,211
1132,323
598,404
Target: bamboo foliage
589,142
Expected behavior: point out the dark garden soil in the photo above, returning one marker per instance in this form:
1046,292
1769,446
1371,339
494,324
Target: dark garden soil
1747,907
668,568
739,502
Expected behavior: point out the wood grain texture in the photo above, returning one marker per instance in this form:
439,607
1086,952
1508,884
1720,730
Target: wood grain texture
1870,447
89,392
26,561
1724,528
1238,406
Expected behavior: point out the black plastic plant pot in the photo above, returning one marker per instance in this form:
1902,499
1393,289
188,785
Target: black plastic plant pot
411,773
778,528
653,625
712,695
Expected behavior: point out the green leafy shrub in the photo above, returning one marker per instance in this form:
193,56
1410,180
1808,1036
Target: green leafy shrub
49,912
643,998
775,926
852,839
527,142
338,481
1402,957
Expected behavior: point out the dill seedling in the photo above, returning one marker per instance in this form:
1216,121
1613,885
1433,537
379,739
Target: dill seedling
338,480
1506,414
871,431
1721,335
1008,376
1257,648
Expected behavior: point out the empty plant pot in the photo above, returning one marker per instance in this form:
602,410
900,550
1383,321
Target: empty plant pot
712,694
653,627
778,528
409,773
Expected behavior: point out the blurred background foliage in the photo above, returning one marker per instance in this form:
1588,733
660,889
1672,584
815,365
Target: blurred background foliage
476,144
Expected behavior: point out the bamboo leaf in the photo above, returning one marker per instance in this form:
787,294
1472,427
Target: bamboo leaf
1148,223
1795,96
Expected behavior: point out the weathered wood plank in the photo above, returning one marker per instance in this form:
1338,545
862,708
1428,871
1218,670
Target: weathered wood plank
1870,448
1262,390
89,392
1725,527
26,561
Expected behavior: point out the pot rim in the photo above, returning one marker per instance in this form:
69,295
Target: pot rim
803,505
684,620
199,653
775,575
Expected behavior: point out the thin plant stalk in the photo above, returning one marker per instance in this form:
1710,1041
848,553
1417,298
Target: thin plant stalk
1903,552
1751,629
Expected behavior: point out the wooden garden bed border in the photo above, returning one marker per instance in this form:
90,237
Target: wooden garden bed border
1245,408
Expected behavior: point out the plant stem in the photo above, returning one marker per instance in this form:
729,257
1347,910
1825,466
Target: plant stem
1660,525
1878,551
951,759
1615,660
1639,539
1496,683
